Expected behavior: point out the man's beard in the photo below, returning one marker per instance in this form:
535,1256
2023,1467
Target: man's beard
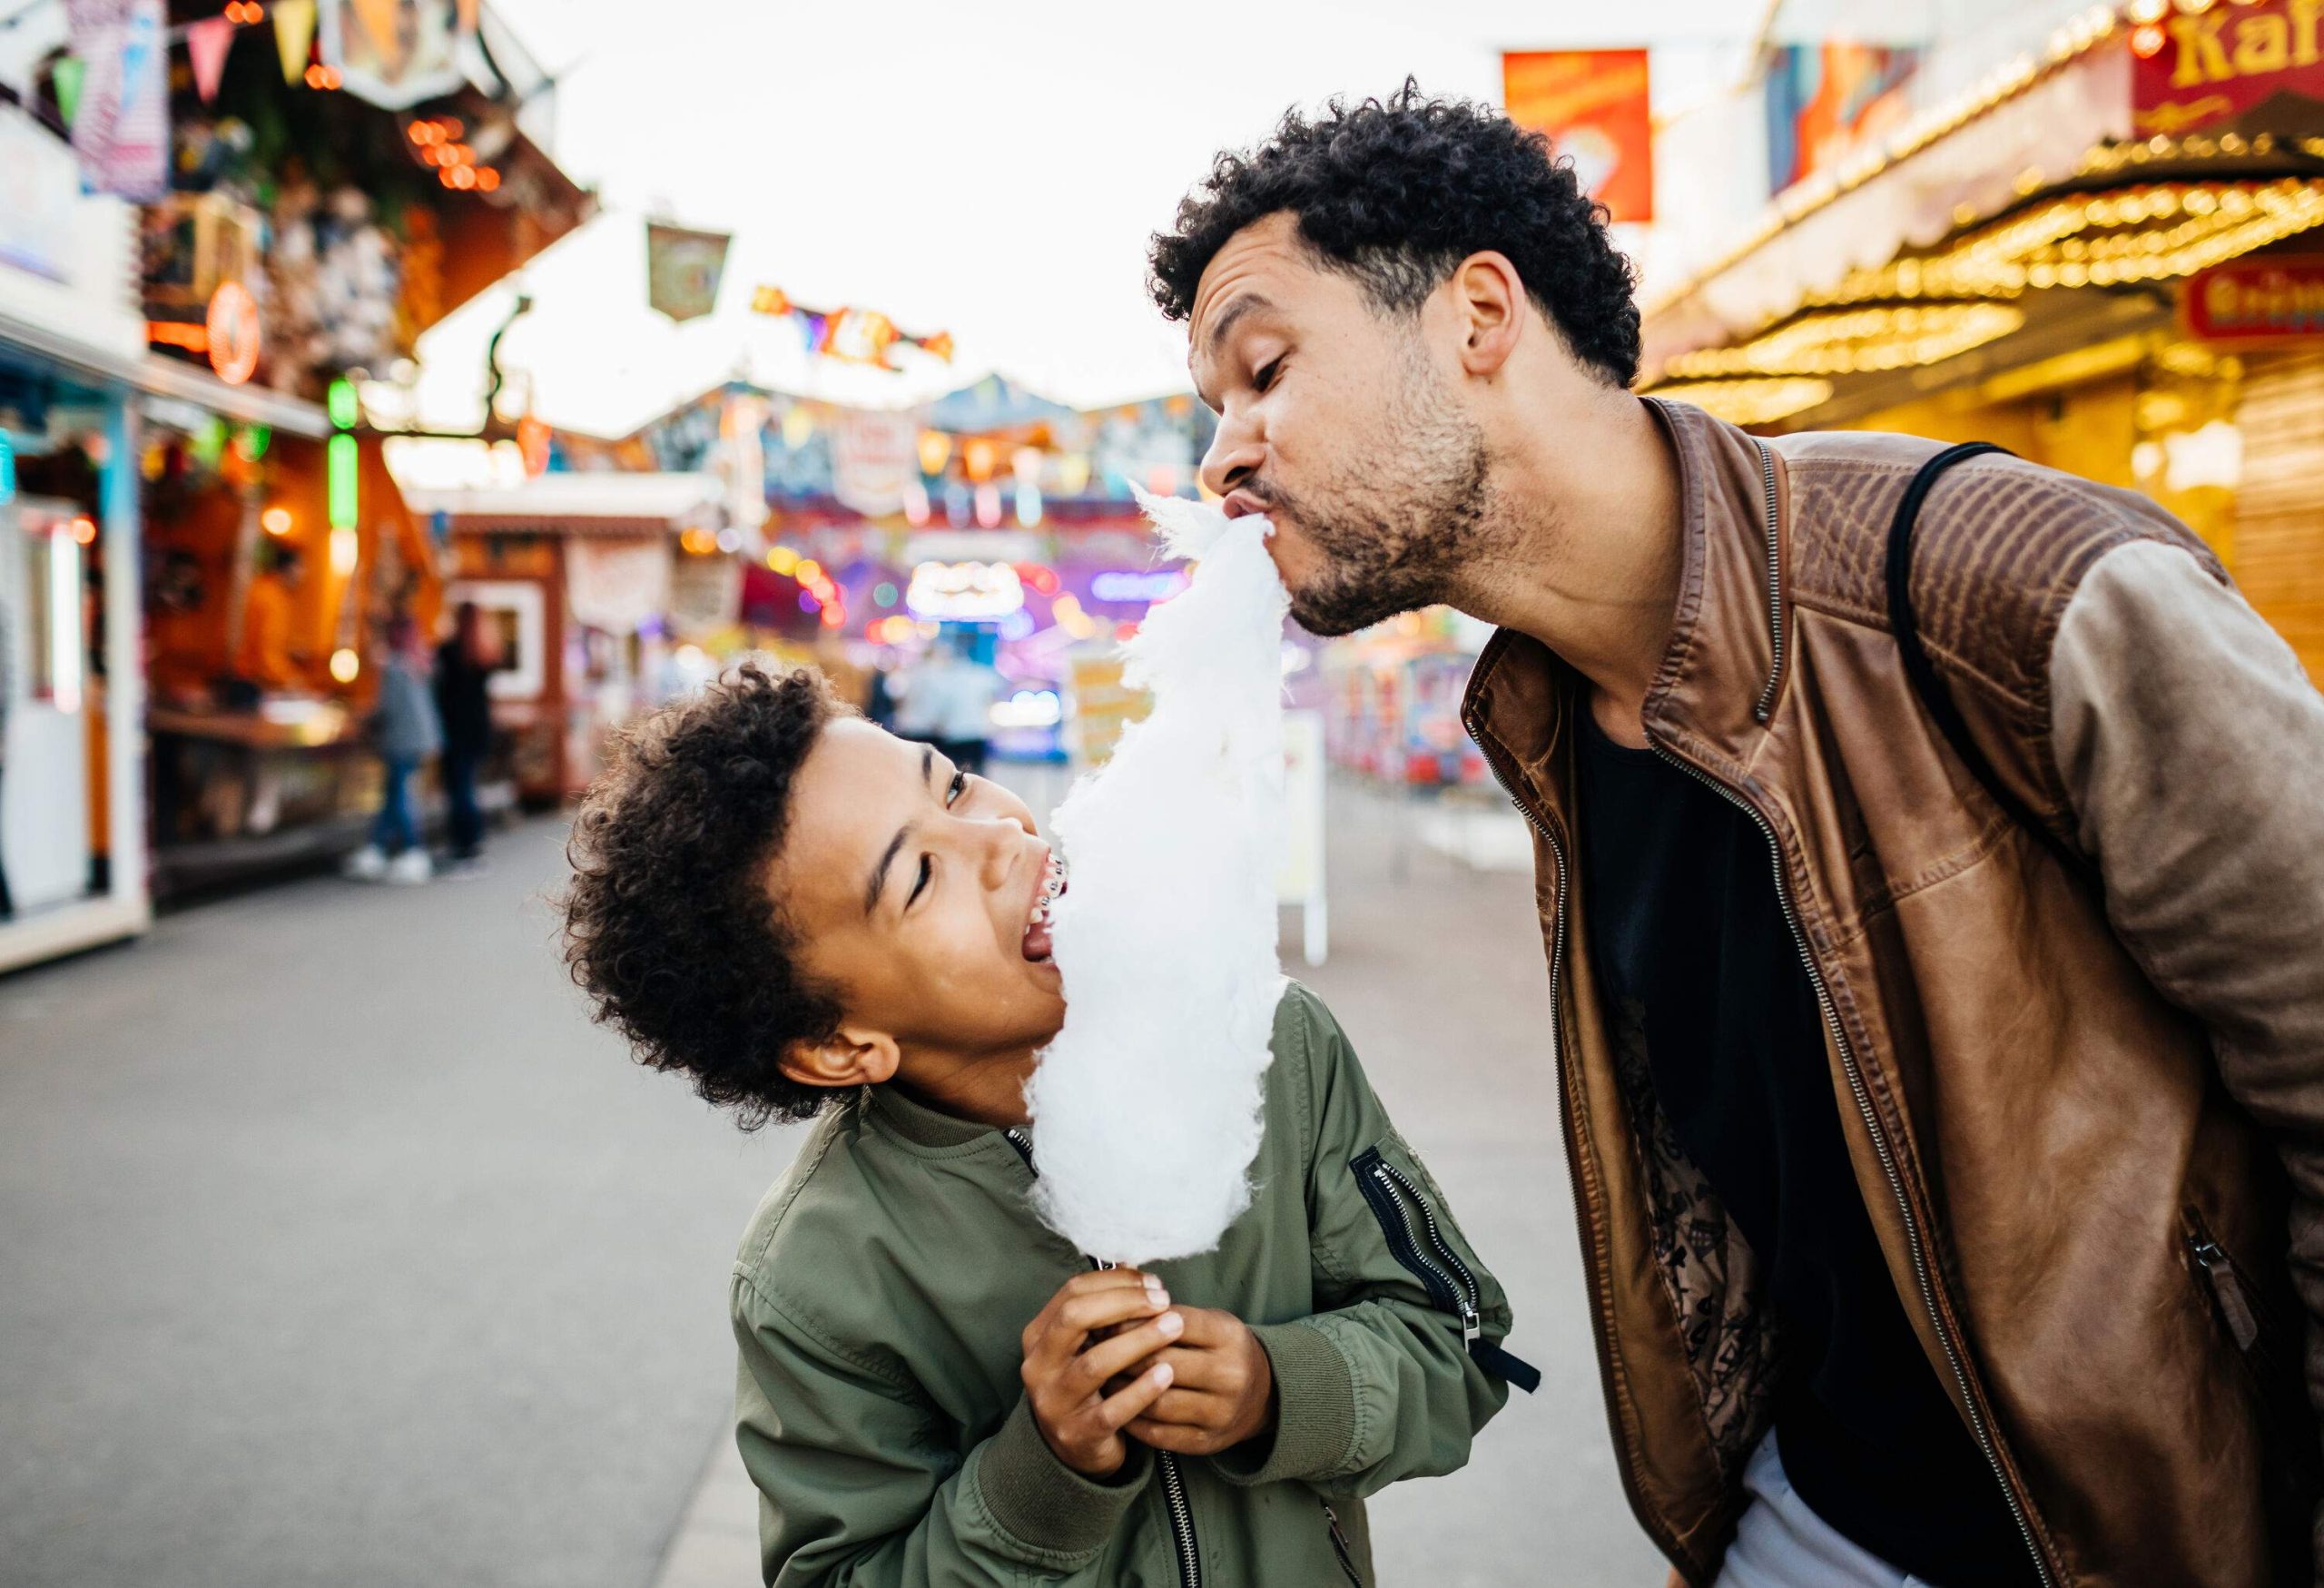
1396,531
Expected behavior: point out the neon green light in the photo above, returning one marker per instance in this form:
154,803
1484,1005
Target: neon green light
341,405
341,473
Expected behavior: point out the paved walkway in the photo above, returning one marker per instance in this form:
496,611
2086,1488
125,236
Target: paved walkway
335,1246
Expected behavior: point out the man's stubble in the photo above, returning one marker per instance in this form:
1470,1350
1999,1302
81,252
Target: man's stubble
1407,512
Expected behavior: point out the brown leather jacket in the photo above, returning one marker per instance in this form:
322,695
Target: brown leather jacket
2080,1123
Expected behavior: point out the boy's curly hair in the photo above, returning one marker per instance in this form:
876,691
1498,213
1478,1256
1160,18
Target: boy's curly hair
669,926
1396,194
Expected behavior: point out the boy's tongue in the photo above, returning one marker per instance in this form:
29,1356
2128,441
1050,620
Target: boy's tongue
1037,941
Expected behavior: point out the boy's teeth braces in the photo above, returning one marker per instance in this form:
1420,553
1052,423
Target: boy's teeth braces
1052,885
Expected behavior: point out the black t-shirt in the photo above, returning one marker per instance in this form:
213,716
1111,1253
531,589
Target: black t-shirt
1693,954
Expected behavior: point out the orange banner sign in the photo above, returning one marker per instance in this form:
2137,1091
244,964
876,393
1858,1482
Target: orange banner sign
1592,104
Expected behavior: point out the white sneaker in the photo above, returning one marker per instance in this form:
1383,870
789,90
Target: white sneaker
410,866
366,864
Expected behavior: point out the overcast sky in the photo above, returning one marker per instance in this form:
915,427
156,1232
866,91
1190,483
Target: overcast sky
992,170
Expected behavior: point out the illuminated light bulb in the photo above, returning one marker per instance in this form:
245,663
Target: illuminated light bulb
487,180
346,549
935,451
344,664
84,530
808,571
275,520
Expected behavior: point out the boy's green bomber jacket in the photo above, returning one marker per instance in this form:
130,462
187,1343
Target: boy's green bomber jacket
882,1289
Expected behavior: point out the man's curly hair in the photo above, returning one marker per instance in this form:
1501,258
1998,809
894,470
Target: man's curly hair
1397,194
669,926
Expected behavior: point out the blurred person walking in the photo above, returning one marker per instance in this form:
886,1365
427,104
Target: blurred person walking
406,731
465,663
1931,868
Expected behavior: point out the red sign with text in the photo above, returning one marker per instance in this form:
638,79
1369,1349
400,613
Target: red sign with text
2249,302
2187,71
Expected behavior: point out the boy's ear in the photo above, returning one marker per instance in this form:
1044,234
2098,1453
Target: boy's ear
853,1056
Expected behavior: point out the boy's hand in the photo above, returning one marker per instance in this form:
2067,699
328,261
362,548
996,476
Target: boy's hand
1090,1333
1222,1388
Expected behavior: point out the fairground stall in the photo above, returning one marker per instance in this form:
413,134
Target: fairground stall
596,588
991,522
2104,256
71,365
309,188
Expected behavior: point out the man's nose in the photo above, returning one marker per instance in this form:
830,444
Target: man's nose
1234,459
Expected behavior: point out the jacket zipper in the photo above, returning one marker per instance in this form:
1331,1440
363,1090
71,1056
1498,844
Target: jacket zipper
2246,1323
1340,1546
1880,1146
1174,1487
1379,1181
1765,705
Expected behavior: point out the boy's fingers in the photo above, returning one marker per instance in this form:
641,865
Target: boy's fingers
1125,1352
1068,1324
1085,1314
1178,1439
1211,1371
1189,1408
1117,1410
1207,1325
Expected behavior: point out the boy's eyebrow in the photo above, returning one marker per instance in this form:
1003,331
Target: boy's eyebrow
896,844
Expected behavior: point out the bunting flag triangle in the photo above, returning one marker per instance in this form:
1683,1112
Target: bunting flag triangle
467,14
379,19
206,44
294,34
66,75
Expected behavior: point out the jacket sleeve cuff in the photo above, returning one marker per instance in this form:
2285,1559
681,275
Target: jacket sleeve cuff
1314,1423
1044,1504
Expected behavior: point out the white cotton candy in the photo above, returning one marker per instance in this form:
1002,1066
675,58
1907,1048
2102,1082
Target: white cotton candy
1146,1108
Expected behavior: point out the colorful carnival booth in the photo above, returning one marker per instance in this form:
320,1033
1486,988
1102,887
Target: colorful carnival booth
2103,256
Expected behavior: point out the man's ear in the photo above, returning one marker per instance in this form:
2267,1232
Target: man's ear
1489,298
851,1056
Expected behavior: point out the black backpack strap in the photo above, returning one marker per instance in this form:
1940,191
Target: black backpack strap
1935,697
